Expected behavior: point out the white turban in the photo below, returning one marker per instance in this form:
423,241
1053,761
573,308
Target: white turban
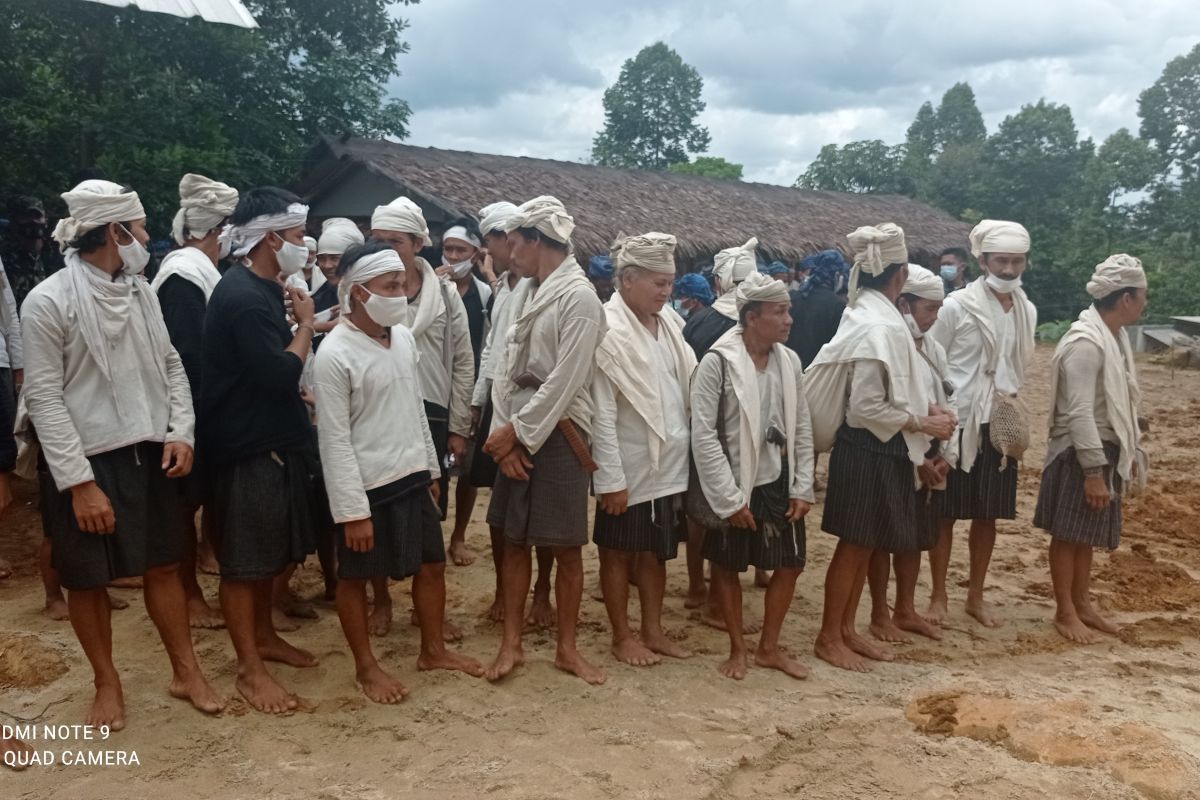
875,249
496,216
759,288
463,235
651,251
923,283
1116,272
403,216
338,235
203,203
735,264
364,269
92,204
999,236
311,244
246,237
547,216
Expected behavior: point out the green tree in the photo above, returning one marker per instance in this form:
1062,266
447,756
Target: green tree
866,167
650,113
1170,112
958,120
709,167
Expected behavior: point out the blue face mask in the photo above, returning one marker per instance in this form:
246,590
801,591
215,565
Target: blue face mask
679,309
949,272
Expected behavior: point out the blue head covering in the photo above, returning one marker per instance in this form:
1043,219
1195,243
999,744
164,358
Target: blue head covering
775,268
827,268
600,268
694,285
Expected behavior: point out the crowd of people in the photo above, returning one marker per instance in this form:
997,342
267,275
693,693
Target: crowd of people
300,395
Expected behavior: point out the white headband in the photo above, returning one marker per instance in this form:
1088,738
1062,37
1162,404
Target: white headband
92,204
365,269
463,235
246,237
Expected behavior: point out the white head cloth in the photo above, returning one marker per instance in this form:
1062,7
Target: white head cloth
463,235
735,264
403,216
203,203
999,236
246,237
1116,272
547,215
338,235
875,249
923,283
311,244
760,288
365,269
495,217
92,204
651,251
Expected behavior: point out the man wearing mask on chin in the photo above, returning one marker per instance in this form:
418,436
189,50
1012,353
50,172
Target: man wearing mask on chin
256,433
987,332
109,399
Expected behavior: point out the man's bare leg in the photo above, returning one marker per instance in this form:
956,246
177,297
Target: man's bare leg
982,541
90,617
239,601
908,567
464,504
712,613
541,612
167,605
939,566
697,592
850,633
776,602
287,605
1081,590
840,581
1062,576
270,645
727,587
879,572
327,557
568,591
14,753
56,603
380,620
762,578
429,601
496,612
517,575
652,587
375,683
615,566
200,613
206,559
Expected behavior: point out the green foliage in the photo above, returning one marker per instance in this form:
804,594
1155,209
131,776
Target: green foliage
864,167
709,167
1170,111
650,113
1052,331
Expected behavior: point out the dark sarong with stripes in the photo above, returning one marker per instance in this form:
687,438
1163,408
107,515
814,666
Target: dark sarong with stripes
1062,510
777,544
439,428
407,534
871,501
986,492
481,469
549,509
649,527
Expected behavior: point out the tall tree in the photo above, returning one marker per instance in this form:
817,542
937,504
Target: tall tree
868,166
709,167
958,120
1170,112
650,113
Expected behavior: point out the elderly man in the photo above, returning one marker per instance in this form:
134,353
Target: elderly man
752,437
1094,453
109,399
545,396
640,442
987,332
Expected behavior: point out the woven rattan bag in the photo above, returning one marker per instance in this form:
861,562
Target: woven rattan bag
1009,428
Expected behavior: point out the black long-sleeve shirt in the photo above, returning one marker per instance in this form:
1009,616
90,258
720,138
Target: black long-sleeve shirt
815,320
183,311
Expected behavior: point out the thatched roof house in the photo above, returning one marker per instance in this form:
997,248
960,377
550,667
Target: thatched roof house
350,176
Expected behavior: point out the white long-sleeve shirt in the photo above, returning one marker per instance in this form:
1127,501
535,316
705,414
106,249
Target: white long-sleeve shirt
494,342
11,350
373,429
448,387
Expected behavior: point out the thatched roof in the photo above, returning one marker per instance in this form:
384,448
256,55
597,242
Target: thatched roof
705,214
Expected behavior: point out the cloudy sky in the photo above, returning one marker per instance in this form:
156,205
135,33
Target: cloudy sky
526,77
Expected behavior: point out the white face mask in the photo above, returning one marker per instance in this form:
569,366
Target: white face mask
461,269
225,247
291,257
1002,285
913,327
385,311
134,255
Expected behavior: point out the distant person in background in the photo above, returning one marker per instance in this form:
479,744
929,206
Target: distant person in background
953,268
817,307
27,260
338,235
600,273
693,294
12,375
731,267
777,270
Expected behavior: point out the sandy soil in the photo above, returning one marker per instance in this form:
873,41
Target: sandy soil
1010,713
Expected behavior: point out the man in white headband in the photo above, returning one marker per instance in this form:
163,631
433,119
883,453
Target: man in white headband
1094,454
380,464
919,303
640,443
184,282
752,444
730,267
109,399
545,396
338,235
870,402
256,433
987,332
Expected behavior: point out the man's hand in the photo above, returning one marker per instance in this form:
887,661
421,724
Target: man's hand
301,305
1095,492
928,473
938,411
487,268
798,510
306,394
615,503
939,426
476,416
942,467
360,535
516,464
501,442
457,445
93,512
442,271
177,459
18,379
743,519
435,491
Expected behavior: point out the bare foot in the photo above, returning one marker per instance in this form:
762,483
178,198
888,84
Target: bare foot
380,687
982,612
496,612
298,609
450,631
448,659
762,578
206,562
734,667
264,694
865,648
461,555
886,631
632,652
379,622
20,751
1089,617
508,659
938,610
1073,629
117,602
6,571
541,613
713,619
662,645
127,583
573,662
780,660
108,708
56,608
197,691
839,655
597,592
282,622
202,615
696,597
276,649
915,623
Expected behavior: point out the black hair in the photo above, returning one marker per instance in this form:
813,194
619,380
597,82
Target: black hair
95,238
877,282
23,205
534,235
744,311
357,251
958,252
465,222
260,202
1109,301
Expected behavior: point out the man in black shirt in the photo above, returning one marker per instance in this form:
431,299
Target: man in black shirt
817,307
256,433
23,249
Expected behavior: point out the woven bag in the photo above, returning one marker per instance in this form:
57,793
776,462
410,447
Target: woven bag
1009,428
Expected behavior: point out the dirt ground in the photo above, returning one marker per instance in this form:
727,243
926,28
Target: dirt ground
1006,714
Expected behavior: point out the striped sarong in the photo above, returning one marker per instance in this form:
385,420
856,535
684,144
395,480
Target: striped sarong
1062,510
